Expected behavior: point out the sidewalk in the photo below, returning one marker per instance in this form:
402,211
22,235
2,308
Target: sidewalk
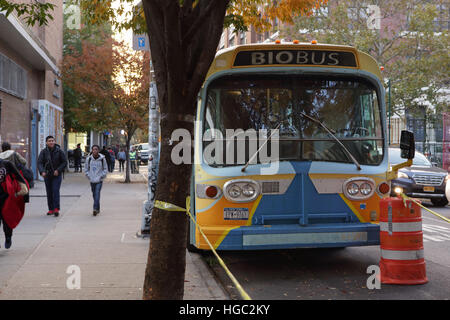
111,258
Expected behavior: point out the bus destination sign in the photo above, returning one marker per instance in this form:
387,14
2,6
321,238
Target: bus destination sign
295,57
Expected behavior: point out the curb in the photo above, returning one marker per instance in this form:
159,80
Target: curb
212,283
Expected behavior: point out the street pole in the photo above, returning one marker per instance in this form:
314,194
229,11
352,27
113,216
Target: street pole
153,141
140,42
389,113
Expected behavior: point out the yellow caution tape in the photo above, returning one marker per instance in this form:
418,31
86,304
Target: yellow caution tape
171,207
405,197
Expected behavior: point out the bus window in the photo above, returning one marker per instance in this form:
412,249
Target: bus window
346,105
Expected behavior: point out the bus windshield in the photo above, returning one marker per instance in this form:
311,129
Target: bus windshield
348,106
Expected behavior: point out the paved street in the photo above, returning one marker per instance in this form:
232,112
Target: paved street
337,273
111,258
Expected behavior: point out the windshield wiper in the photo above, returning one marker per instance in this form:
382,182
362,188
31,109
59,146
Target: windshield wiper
334,137
254,155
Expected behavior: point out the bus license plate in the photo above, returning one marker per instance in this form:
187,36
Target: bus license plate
235,213
429,189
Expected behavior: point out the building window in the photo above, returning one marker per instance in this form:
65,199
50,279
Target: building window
13,78
242,38
222,41
442,21
259,38
231,41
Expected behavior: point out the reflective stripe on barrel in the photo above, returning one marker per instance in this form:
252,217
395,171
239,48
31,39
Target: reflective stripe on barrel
401,226
402,255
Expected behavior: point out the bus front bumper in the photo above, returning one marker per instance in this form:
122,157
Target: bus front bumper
297,236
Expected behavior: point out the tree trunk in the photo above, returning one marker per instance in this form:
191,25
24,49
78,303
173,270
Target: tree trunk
167,254
183,41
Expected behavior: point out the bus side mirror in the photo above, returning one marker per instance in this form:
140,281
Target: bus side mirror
407,145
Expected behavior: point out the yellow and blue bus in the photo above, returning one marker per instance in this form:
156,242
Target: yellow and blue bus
326,104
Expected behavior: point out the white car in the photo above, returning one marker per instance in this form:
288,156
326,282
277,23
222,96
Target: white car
447,191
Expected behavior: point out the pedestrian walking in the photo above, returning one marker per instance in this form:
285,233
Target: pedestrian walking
13,188
116,149
77,155
107,156
12,156
19,162
51,163
122,157
133,160
96,169
112,154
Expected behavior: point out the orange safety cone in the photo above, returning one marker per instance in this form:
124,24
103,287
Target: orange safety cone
401,241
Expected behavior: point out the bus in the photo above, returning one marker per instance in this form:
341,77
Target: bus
326,104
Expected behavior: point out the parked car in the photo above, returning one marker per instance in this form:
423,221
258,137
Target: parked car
421,180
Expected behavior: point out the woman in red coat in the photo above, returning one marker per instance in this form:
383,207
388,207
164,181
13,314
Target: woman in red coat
12,205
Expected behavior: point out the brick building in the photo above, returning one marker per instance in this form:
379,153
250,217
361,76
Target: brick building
30,86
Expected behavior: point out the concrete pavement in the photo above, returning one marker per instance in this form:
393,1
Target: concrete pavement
110,257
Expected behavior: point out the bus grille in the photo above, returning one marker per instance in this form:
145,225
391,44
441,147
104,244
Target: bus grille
428,180
270,187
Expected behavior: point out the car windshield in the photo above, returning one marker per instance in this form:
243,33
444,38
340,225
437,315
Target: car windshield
145,146
348,106
419,158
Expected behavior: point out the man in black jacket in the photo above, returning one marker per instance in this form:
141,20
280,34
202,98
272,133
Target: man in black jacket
77,155
107,156
51,164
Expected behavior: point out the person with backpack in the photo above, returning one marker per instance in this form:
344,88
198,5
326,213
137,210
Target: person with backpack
13,188
11,155
19,162
51,164
96,169
122,157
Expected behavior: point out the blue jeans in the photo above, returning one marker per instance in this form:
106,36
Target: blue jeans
96,188
52,186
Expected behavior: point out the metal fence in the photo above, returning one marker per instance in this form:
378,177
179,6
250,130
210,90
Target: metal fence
432,136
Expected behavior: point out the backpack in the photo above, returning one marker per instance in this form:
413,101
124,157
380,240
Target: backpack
27,173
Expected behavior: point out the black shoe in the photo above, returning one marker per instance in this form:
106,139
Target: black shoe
95,213
8,243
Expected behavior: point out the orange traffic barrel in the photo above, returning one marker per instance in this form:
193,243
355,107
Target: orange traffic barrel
401,241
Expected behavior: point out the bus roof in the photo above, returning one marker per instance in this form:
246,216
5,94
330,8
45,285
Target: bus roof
288,54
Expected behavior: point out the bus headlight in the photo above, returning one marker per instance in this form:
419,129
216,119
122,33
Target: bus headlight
359,188
234,191
365,189
241,190
352,189
248,190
